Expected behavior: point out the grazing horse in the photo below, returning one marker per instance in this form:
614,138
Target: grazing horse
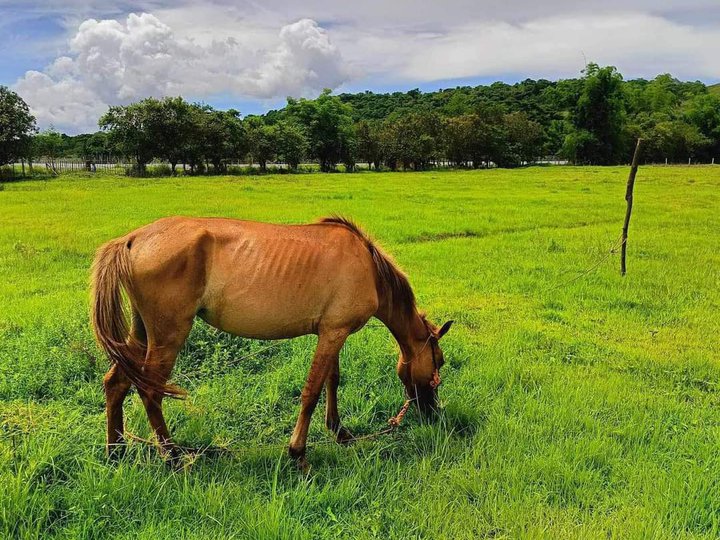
255,280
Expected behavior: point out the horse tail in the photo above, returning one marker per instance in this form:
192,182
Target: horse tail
111,274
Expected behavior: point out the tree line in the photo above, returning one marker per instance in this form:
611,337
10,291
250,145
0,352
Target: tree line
593,119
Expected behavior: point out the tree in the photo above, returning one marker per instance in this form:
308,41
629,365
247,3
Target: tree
674,140
221,134
328,125
48,144
348,148
578,144
130,130
412,140
17,126
599,118
237,145
590,119
292,146
523,140
458,139
703,112
262,141
172,126
367,137
487,136
96,144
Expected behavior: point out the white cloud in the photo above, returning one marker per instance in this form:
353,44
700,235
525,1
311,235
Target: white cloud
111,62
263,50
638,44
305,60
66,103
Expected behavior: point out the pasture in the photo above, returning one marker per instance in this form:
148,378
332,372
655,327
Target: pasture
583,408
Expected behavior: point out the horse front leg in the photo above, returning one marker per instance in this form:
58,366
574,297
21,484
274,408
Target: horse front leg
326,355
332,417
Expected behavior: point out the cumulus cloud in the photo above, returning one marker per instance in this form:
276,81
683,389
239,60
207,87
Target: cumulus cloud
64,103
110,62
271,49
304,60
638,44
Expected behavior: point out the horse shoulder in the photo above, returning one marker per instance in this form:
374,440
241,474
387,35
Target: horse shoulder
354,271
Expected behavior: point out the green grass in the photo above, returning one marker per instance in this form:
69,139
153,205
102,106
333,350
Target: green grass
579,410
714,89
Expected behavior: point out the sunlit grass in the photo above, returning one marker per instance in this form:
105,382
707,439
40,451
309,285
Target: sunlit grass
580,409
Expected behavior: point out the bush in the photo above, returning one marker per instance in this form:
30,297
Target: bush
134,170
152,171
159,170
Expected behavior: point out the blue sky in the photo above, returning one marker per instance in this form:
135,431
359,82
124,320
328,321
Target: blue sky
70,60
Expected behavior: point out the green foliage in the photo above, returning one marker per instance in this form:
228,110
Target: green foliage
176,131
16,127
367,137
48,143
489,136
594,119
674,140
328,126
222,134
599,118
412,140
262,141
523,138
132,130
173,128
292,145
703,112
573,408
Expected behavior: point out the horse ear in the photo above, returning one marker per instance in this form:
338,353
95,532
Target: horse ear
444,329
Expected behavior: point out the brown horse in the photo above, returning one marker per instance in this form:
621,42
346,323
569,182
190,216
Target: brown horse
254,280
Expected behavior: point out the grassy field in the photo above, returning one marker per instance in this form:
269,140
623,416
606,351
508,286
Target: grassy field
587,409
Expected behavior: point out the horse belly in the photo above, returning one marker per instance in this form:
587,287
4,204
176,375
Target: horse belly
264,304
282,288
257,317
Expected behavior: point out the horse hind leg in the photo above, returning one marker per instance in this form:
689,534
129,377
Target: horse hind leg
117,386
164,344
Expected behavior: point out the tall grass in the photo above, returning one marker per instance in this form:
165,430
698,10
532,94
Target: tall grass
584,410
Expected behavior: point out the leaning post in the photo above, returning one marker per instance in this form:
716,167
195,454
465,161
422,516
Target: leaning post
629,200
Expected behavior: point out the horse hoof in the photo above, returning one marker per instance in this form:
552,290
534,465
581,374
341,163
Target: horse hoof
344,436
174,458
298,456
302,465
116,451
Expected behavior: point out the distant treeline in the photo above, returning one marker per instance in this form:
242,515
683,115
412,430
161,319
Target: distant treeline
594,119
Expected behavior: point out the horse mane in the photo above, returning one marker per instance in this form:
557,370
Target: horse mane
392,280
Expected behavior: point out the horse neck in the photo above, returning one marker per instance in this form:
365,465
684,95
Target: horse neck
408,328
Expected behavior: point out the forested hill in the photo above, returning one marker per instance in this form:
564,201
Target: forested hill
593,119
542,100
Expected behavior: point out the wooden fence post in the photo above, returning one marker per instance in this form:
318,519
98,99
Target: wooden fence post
629,200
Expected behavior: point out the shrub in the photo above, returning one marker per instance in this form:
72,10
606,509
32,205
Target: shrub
159,170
